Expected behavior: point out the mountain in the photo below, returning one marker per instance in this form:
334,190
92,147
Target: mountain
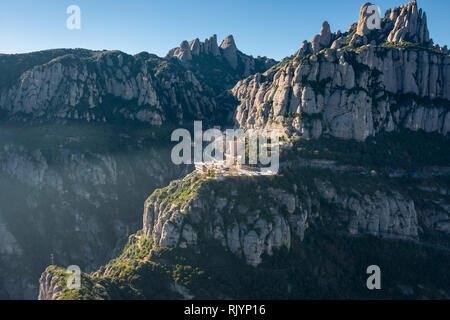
306,234
105,86
84,137
364,181
356,84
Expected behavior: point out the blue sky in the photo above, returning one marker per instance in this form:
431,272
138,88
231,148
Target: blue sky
260,27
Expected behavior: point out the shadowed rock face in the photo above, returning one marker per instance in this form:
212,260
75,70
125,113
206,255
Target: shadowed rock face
368,81
74,192
230,51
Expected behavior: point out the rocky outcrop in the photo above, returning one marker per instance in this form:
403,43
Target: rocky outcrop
323,39
49,286
406,23
352,93
249,230
232,63
187,50
410,24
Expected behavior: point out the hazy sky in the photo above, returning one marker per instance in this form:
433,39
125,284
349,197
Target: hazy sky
260,27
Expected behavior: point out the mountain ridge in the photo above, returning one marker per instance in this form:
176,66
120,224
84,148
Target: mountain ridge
348,87
73,84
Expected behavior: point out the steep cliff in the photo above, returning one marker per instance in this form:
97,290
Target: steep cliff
73,192
102,86
76,157
356,84
372,186
106,86
202,232
253,223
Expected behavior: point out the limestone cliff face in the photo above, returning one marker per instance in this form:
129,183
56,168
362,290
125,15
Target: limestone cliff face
104,86
354,90
253,218
252,224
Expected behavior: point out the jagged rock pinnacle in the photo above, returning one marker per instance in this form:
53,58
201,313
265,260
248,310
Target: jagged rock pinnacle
322,40
410,24
211,47
325,34
230,51
404,23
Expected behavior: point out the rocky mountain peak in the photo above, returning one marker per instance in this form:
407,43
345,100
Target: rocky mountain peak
194,48
210,46
356,84
409,24
187,50
242,65
322,40
404,23
230,51
228,43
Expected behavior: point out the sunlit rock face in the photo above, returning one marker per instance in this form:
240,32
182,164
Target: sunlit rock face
352,89
250,229
104,87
